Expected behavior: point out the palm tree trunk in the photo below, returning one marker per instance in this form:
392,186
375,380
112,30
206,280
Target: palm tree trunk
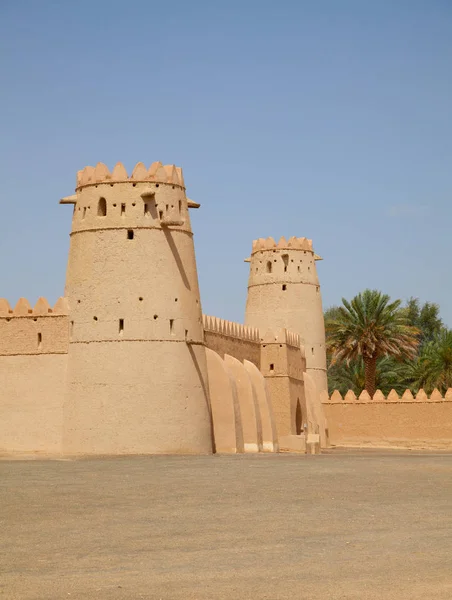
370,373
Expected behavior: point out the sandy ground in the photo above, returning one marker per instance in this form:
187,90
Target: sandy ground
336,526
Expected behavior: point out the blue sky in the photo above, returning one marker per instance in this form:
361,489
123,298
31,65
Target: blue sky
323,118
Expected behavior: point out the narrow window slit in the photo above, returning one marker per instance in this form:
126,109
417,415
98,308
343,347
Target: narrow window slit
102,208
121,326
130,234
171,324
123,209
284,287
39,340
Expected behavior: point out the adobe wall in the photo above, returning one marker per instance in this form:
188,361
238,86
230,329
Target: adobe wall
137,367
283,364
405,421
33,360
239,341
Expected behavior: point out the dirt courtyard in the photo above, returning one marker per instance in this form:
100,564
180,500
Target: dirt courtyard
336,526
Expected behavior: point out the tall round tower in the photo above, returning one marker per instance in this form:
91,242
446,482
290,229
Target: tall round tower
284,292
137,375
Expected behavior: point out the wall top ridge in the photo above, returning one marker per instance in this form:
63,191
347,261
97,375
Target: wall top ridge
283,336
157,173
230,329
292,243
392,397
40,309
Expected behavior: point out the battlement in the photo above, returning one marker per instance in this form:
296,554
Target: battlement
392,397
41,308
293,243
283,336
230,329
33,331
157,173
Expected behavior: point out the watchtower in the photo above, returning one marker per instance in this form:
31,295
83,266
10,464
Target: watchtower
284,292
136,365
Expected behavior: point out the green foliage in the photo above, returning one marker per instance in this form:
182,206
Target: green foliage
433,368
429,367
390,374
366,329
425,318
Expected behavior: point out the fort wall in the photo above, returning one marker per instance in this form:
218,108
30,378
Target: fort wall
33,359
392,421
226,337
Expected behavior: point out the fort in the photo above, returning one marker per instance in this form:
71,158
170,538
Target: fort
126,363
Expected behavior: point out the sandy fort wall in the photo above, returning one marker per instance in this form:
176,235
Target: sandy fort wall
404,421
226,337
33,359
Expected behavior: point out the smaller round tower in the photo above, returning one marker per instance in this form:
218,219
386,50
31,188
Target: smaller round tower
284,292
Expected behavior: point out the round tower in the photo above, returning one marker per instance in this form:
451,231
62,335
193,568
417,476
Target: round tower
284,292
137,374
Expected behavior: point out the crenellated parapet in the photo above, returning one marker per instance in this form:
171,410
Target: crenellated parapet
283,336
41,308
393,397
27,330
156,173
293,243
230,329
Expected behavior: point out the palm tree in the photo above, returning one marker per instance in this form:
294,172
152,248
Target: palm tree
434,366
390,375
370,327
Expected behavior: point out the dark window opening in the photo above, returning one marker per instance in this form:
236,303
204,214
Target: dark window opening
121,325
123,209
284,287
161,214
180,206
272,367
298,419
84,212
156,317
269,267
130,234
171,323
285,258
39,340
102,208
95,318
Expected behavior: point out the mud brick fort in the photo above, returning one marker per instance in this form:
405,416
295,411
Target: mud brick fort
126,363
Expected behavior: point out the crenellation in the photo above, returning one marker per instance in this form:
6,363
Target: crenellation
392,397
5,308
157,173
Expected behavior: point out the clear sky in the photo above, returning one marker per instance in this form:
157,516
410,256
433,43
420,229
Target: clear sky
330,119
